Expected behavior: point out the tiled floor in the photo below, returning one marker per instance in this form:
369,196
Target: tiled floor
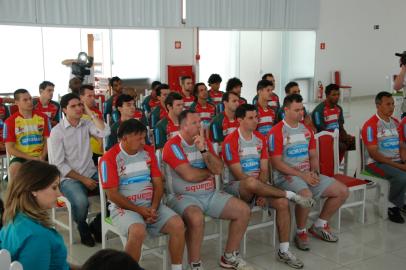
375,245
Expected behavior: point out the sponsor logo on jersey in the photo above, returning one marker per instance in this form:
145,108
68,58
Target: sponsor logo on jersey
145,194
249,165
390,144
206,185
31,139
297,151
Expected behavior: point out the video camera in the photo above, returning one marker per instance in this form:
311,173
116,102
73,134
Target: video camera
82,66
402,58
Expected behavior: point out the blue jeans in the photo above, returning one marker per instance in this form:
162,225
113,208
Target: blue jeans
397,180
76,193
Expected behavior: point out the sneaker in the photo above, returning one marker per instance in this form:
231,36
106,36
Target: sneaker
403,209
302,241
86,237
323,233
290,259
235,262
196,266
303,201
395,216
95,229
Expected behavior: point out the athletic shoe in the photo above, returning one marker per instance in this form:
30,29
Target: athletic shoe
196,266
290,259
302,241
235,262
403,209
395,216
303,201
323,233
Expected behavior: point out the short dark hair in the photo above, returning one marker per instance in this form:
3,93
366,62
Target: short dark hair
160,87
267,75
331,87
233,82
214,78
263,84
290,85
243,109
66,98
84,87
171,98
45,84
196,88
154,84
184,78
380,95
114,79
123,98
226,96
289,99
106,259
130,126
183,115
18,92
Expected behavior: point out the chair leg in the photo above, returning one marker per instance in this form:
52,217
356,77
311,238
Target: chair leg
70,221
363,206
339,220
164,259
244,245
220,238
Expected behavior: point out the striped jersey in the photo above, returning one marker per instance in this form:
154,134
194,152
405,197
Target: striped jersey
266,119
327,118
206,113
177,152
52,110
293,144
383,134
187,101
131,174
29,134
273,102
164,130
157,114
215,96
221,126
236,149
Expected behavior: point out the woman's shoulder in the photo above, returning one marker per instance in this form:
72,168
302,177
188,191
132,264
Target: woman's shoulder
22,227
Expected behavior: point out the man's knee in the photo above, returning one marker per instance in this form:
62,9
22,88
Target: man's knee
240,208
280,204
193,217
305,193
137,231
249,184
176,225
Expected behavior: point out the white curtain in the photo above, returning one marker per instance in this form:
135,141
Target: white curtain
302,14
17,11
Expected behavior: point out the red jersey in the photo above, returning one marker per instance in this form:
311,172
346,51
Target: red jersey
206,113
3,116
188,101
52,110
266,119
215,96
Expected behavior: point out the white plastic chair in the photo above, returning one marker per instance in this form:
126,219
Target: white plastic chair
356,187
5,259
16,266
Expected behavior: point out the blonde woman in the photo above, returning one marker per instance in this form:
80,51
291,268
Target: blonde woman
28,232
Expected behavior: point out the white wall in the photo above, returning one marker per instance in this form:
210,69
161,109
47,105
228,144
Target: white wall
172,56
364,56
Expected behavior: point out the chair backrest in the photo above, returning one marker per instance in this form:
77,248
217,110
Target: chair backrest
103,200
5,259
16,266
337,77
360,150
327,151
99,100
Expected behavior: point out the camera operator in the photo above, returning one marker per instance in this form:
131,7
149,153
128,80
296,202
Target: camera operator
400,81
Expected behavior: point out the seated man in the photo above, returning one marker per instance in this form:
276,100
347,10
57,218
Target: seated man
69,149
380,135
116,87
132,181
273,102
186,83
3,116
25,133
74,85
215,95
168,127
151,101
160,111
292,149
234,85
293,88
191,164
328,116
202,106
266,116
87,96
46,105
125,110
246,155
225,122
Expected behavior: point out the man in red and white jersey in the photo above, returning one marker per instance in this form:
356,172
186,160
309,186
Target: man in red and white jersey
186,83
132,181
46,105
215,95
202,106
191,163
266,116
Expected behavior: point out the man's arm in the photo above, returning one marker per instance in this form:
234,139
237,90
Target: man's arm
278,164
400,78
213,162
44,153
403,151
12,150
314,160
264,171
191,174
95,119
378,157
158,192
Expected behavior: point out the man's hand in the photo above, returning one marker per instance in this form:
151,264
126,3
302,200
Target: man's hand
261,201
199,140
148,213
87,109
89,183
311,178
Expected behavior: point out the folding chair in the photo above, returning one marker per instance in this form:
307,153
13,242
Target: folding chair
382,185
328,153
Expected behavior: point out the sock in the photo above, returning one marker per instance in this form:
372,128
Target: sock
229,255
284,247
320,223
298,230
176,267
290,194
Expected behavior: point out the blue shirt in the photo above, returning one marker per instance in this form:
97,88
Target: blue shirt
34,245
